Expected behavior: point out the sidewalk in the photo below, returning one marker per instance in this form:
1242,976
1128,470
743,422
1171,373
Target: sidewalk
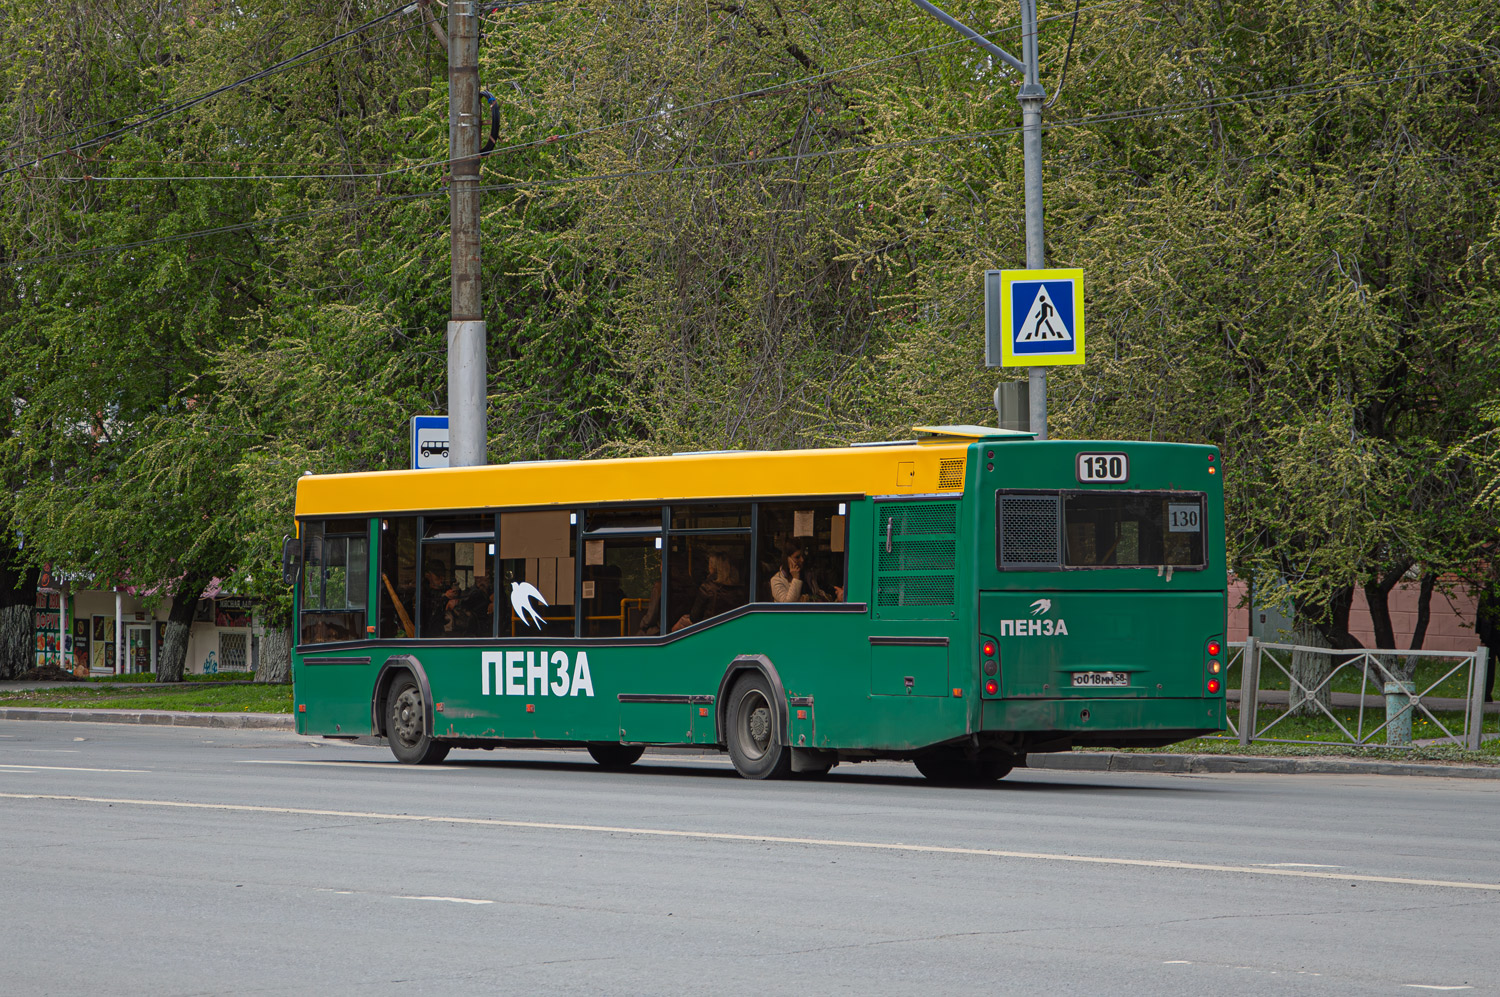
164,718
1074,761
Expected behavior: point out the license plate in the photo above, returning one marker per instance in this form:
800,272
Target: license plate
1103,467
1094,680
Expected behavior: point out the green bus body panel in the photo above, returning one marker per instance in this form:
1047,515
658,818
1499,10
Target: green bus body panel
845,688
1160,640
1105,716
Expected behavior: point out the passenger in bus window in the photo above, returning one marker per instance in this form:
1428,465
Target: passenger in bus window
437,593
795,583
724,589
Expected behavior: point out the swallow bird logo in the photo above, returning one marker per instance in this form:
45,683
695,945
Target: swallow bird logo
1041,607
521,596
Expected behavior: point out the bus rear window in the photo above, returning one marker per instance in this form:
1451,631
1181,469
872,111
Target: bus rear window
1133,529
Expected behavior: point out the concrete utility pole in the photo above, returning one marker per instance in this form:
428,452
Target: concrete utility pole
1031,96
467,374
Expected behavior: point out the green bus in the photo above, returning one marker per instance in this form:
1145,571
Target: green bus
961,599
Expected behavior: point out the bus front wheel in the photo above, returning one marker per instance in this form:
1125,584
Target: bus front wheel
755,741
616,756
406,725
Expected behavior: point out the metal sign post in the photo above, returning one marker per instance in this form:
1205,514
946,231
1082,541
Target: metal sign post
1031,96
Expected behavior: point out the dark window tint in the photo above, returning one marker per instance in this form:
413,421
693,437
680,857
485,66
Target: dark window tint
638,519
398,577
707,576
621,586
711,517
1133,529
803,552
458,528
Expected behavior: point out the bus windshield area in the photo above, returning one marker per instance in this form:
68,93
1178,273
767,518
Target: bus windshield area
1133,529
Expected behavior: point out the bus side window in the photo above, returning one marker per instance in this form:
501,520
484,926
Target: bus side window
537,573
398,577
803,552
458,577
622,576
335,581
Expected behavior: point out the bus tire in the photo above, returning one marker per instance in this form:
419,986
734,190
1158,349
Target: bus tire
616,756
406,725
756,744
951,767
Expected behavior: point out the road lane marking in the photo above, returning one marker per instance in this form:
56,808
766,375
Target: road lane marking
451,900
1433,986
659,832
1297,865
66,768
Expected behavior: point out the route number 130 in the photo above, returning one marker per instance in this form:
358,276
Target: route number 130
1103,467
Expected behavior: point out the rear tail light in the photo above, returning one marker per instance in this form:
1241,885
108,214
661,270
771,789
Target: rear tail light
989,663
1214,648
991,687
1213,685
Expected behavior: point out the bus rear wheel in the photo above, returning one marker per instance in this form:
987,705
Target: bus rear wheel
406,725
755,739
616,756
951,767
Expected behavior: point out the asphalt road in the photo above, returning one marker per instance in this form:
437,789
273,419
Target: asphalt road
194,861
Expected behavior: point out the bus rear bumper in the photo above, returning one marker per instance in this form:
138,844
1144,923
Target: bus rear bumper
1103,722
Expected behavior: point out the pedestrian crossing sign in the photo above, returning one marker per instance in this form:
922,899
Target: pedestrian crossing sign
1033,318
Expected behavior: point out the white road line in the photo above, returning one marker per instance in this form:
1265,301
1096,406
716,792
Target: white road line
1296,865
1177,962
451,900
64,768
658,832
1433,986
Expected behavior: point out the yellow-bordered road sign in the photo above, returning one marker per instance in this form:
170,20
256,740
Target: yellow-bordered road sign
1033,318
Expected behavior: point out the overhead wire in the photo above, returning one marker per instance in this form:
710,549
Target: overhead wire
584,132
301,58
1164,110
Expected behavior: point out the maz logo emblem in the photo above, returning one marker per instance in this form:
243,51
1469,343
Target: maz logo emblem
521,596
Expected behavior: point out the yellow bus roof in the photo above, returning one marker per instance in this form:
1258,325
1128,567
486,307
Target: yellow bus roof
932,466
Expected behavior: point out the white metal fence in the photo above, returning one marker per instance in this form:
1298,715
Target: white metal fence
1256,657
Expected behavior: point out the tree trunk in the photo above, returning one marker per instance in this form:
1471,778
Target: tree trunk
17,642
275,664
1408,670
172,661
1378,599
1309,669
17,622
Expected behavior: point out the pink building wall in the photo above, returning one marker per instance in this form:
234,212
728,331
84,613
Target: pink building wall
1450,627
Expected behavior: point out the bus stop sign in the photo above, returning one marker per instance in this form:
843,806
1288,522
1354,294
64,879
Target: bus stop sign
1033,318
429,441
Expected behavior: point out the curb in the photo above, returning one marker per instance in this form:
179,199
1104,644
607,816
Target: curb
164,718
1112,761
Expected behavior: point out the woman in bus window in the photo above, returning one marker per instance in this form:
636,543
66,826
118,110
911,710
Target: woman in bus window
794,583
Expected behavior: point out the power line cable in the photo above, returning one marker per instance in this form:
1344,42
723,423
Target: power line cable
163,111
582,133
1104,118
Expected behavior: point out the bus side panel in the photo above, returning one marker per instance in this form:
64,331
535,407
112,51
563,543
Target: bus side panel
824,657
336,692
